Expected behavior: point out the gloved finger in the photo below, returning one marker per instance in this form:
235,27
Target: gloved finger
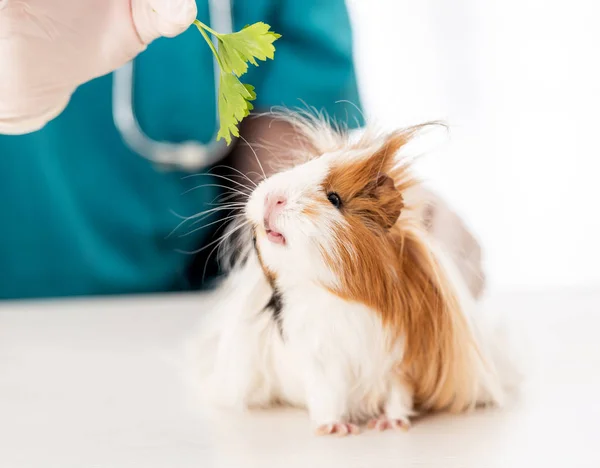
156,18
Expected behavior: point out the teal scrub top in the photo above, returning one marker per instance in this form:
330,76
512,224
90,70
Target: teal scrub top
84,215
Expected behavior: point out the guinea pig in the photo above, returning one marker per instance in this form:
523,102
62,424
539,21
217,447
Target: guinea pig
338,301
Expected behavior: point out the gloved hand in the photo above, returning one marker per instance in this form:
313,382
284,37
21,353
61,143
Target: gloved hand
49,47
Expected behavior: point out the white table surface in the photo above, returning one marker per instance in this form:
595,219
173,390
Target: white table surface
93,384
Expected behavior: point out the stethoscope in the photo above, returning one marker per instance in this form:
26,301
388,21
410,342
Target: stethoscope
186,156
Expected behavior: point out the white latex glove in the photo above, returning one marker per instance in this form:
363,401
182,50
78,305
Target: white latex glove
49,47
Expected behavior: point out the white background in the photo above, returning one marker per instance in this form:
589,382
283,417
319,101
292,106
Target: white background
519,83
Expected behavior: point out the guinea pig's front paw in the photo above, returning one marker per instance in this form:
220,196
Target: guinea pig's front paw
340,429
384,422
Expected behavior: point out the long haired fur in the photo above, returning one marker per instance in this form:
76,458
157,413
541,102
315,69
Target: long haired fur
371,262
399,277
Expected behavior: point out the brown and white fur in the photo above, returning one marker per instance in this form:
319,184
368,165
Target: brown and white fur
351,312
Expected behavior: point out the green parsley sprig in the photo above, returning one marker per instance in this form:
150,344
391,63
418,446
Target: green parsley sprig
233,53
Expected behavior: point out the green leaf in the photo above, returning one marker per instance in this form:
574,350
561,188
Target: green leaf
251,43
234,104
235,50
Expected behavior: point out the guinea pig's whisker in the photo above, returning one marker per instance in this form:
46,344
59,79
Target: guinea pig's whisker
222,220
200,216
229,203
255,156
207,260
268,149
227,197
218,247
174,213
229,234
231,198
220,207
219,176
216,241
241,174
228,179
215,185
259,176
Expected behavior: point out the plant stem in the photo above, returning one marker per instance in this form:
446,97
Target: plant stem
204,26
201,26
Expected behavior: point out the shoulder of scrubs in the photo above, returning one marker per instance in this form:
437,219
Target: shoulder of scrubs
313,63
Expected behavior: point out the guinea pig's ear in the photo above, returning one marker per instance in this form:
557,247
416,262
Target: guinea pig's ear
394,142
389,200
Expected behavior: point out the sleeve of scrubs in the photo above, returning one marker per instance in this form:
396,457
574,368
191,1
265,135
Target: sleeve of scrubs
313,63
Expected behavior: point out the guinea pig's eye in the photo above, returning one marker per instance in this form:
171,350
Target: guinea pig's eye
334,199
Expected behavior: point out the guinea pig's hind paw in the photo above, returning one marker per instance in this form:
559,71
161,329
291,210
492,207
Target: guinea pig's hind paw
382,423
339,429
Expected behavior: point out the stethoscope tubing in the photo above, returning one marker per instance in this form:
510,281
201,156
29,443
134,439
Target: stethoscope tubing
186,156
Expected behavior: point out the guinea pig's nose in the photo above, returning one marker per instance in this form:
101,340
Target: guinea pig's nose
274,202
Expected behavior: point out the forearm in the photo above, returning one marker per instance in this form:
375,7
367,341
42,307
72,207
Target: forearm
267,145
